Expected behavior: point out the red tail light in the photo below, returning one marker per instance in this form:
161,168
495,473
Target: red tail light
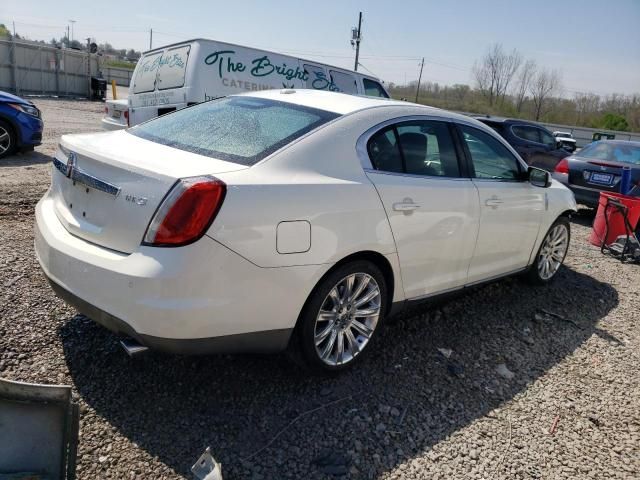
106,110
126,115
186,212
562,166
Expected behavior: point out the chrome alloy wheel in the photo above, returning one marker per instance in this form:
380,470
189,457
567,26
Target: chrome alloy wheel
5,140
347,319
553,251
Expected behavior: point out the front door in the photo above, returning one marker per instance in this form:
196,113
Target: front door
433,211
510,207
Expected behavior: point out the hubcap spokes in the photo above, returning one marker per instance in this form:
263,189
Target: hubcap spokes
5,140
553,252
347,319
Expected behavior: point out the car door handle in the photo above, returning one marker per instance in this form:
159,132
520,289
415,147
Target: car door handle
406,205
493,202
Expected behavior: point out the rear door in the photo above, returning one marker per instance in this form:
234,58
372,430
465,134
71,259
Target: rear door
510,207
432,208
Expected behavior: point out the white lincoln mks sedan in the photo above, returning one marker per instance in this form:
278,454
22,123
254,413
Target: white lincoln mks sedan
289,219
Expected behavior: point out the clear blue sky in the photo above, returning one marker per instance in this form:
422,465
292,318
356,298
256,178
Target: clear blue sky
595,44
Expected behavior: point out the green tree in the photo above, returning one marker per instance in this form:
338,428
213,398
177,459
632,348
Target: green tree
612,121
4,32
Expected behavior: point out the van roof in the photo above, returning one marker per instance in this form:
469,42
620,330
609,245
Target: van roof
260,50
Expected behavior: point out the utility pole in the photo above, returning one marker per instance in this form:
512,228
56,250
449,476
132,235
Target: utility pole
355,39
419,79
150,39
72,22
68,38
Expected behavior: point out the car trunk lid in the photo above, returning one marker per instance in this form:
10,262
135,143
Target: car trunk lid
107,186
599,174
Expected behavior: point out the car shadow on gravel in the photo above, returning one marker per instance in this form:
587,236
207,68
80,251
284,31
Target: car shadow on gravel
25,159
400,401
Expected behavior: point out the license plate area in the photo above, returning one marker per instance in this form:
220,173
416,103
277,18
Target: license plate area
598,178
116,114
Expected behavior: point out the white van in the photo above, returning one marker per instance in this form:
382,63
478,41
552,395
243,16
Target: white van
182,74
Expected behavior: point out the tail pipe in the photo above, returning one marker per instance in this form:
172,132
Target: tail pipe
133,347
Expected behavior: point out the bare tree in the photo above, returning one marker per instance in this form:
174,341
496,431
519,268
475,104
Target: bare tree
494,72
586,103
527,72
545,84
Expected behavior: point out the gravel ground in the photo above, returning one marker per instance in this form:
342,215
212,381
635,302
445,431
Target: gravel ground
567,405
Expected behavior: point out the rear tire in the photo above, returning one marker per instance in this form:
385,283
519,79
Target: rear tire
342,317
8,139
551,254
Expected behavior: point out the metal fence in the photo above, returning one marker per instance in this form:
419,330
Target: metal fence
584,135
122,76
33,69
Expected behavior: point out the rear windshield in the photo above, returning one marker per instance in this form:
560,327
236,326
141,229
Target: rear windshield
237,129
614,152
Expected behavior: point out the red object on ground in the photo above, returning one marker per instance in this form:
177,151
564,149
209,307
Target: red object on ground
617,226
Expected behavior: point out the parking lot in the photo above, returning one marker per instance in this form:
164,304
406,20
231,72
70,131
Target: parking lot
508,381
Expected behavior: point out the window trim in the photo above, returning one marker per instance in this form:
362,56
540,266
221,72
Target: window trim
524,168
362,146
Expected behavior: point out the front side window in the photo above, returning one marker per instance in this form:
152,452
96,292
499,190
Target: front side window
373,89
237,129
422,147
490,158
546,138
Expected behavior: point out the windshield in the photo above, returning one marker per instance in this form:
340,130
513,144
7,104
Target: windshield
238,129
613,152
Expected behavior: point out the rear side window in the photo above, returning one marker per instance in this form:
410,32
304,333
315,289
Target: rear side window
422,147
526,133
237,129
373,89
491,159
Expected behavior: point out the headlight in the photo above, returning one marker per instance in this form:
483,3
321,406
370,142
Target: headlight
28,109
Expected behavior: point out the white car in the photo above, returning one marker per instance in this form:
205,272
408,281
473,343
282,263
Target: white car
291,218
566,140
116,115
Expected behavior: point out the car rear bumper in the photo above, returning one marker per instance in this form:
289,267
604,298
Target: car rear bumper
110,123
200,298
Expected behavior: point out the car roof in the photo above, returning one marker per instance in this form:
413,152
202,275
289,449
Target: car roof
489,119
343,104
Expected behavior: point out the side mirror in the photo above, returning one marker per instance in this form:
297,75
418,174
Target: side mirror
539,177
559,144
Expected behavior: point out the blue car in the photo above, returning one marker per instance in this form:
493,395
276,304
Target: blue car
20,124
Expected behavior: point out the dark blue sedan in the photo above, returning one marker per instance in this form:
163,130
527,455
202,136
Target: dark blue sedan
20,124
598,168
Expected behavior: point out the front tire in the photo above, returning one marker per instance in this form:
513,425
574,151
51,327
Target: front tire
552,253
342,317
8,139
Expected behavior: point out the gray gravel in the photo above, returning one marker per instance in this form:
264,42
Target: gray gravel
406,412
